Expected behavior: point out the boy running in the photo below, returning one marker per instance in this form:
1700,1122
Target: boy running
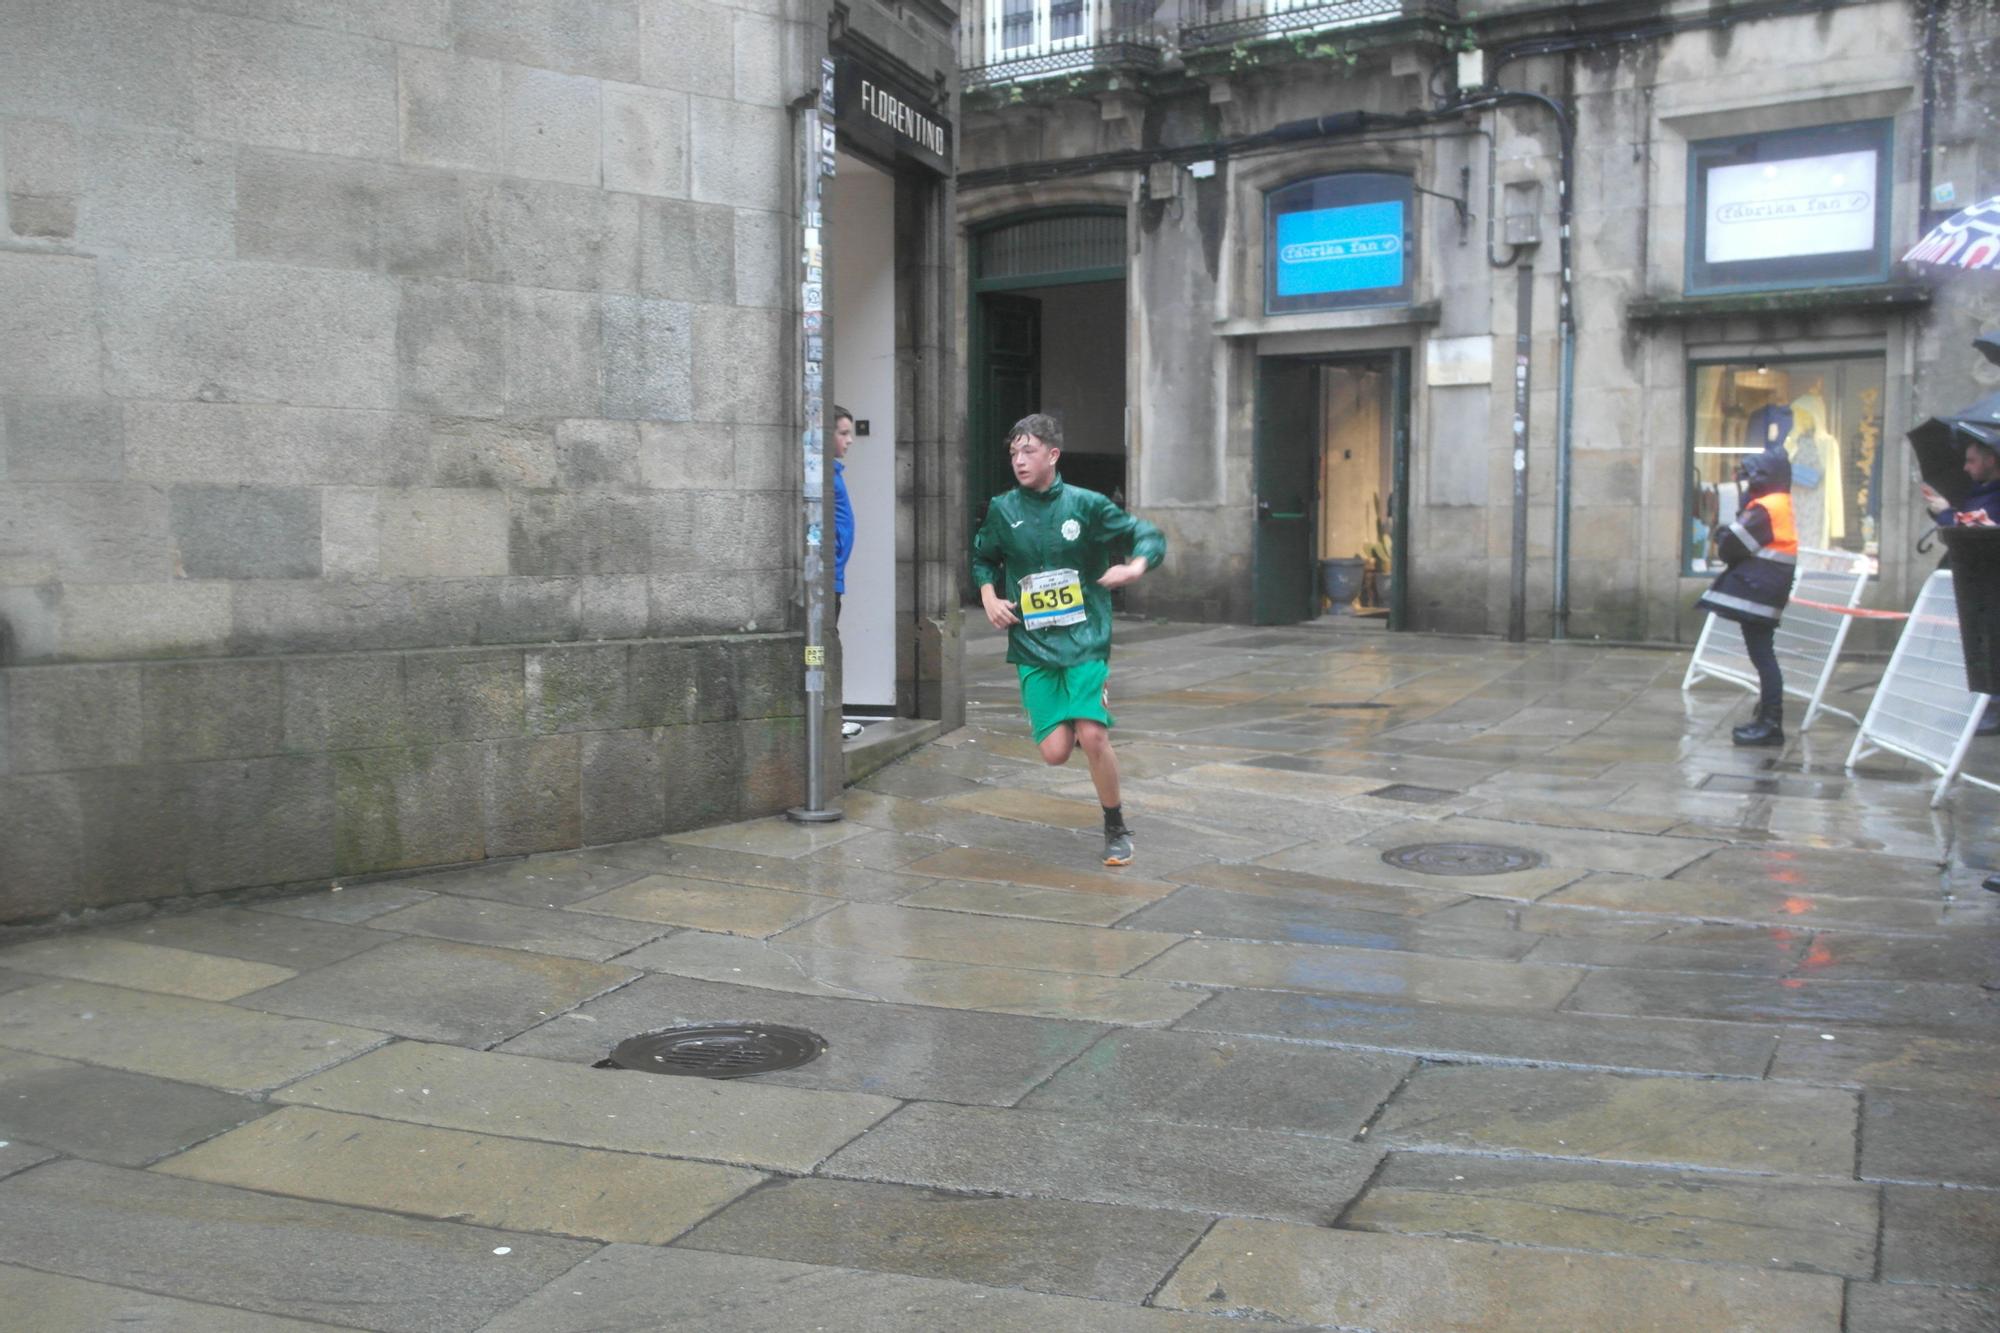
1056,544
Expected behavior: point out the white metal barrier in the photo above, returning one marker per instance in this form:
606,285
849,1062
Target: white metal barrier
1922,710
1808,638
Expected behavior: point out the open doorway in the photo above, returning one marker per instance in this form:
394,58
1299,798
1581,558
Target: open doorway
860,208
1048,335
1331,463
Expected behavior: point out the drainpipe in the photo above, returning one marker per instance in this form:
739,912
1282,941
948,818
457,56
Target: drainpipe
1565,327
814,119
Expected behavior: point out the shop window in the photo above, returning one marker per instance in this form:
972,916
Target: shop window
1825,413
1334,242
1792,208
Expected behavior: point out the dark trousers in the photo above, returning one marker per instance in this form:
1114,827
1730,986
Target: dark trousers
1759,641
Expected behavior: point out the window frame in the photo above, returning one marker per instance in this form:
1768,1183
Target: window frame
1691,397
1341,189
1838,269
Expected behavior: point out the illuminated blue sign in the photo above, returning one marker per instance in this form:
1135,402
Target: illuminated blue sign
1351,249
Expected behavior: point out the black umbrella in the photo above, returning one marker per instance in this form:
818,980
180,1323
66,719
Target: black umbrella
1939,444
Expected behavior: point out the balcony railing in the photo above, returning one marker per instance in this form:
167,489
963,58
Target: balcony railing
1014,41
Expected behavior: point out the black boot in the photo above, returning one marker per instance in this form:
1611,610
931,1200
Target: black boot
1767,728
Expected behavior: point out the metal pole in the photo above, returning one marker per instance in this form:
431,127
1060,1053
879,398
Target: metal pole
816,141
1524,322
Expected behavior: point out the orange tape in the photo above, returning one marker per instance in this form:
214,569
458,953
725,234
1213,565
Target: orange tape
1859,611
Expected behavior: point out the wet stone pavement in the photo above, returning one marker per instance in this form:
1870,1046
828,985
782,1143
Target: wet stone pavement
1722,1051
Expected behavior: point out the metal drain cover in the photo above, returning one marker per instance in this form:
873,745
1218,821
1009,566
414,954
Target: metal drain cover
1411,792
1462,858
718,1051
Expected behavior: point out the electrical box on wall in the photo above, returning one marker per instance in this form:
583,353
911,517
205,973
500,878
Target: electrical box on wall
1163,180
1521,213
1472,69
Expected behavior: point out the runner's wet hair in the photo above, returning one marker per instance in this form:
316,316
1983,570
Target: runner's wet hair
1040,425
840,414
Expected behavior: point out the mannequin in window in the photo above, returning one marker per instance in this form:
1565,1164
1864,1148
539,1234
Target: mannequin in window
1818,505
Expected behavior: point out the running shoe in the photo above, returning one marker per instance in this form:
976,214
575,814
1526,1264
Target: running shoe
1118,847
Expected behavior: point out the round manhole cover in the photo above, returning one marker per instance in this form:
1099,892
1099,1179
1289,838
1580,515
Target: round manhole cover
1462,858
718,1051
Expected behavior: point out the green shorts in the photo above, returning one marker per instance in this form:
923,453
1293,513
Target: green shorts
1055,695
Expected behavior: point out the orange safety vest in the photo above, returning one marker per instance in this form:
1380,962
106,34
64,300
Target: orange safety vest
1784,528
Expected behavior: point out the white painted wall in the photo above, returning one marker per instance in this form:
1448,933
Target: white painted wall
861,315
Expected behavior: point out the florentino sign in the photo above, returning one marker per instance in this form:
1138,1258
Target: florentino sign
884,113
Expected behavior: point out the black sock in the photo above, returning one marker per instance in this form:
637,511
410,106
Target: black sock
1114,819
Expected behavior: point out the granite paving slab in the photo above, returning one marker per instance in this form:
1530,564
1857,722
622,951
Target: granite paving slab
775,836
736,909
1947,1236
981,864
146,967
890,1050
1840,873
484,1092
298,943
1856,1056
1404,1284
777,965
1807,1226
16,1156
549,879
1578,808
61,1304
1763,905
1939,1009
1894,1308
509,1183
1724,1125
1229,1082
1295,884
1256,780
443,991
1778,958
1368,867
288,1257
1912,1136
1338,971
1034,904
189,1041
1307,918
1028,807
1281,822
1149,1164
1052,1245
622,1287
1967,954
348,904
906,932
809,874
108,1115
880,850
1579,849
532,929
1553,919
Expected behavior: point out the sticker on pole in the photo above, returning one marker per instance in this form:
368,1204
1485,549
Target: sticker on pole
815,654
1051,598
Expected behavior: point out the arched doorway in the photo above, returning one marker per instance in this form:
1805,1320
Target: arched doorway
1047,332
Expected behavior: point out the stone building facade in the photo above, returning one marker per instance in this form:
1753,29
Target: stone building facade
402,442
1328,243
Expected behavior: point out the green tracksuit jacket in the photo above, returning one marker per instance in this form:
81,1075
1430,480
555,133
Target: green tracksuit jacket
1064,527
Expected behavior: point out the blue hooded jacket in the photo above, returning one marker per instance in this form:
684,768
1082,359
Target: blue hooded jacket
843,527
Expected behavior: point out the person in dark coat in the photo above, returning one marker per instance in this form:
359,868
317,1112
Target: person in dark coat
1761,550
1980,507
1982,464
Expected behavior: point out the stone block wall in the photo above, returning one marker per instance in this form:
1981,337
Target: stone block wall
396,445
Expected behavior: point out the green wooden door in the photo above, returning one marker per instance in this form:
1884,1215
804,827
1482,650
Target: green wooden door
1285,449
1007,368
